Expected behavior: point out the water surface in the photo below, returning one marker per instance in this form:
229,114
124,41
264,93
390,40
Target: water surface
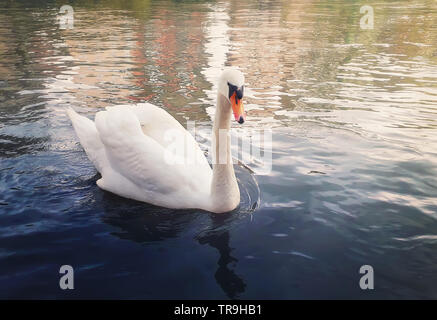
354,163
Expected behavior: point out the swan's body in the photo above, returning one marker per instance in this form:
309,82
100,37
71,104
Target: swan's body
131,146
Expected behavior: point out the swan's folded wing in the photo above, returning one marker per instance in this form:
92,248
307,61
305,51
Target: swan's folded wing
158,124
136,156
155,121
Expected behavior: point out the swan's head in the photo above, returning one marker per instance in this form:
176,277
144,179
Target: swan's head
231,86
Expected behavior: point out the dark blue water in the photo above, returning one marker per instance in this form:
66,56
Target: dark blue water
354,163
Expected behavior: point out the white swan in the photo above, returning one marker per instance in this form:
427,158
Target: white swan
130,146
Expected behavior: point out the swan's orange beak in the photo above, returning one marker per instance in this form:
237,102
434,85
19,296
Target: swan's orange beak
237,107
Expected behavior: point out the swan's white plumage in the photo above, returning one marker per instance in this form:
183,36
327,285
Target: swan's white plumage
134,148
128,145
89,138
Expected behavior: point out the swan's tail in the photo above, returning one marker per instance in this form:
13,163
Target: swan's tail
89,139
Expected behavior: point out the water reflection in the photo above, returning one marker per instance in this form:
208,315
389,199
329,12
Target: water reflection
354,148
225,276
143,223
146,224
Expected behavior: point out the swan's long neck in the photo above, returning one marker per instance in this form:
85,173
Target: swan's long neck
224,187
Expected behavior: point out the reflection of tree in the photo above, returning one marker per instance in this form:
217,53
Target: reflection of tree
144,223
175,63
24,53
309,41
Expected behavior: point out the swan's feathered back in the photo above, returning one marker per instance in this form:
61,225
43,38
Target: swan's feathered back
128,146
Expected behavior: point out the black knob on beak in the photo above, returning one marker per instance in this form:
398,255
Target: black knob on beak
240,93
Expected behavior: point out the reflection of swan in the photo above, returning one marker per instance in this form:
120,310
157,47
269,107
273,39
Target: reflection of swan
225,275
162,225
159,224
129,145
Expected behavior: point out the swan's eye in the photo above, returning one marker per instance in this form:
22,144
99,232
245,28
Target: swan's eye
238,91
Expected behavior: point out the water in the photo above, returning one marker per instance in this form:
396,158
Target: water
353,181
